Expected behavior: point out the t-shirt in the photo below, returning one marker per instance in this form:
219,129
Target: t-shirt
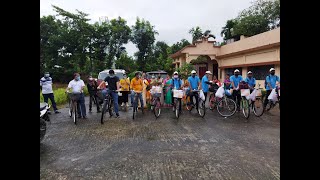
46,84
176,83
236,80
136,84
112,82
194,82
124,83
272,79
76,85
250,81
205,87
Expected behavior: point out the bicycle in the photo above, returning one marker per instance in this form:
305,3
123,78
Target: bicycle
73,105
135,103
244,102
257,107
226,106
201,109
271,104
107,106
177,96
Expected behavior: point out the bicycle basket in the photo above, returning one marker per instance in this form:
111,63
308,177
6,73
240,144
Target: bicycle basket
177,93
74,96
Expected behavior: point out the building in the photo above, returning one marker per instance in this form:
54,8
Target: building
256,53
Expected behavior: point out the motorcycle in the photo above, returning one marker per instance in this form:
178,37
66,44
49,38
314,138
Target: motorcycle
44,117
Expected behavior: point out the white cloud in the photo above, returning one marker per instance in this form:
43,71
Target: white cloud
172,19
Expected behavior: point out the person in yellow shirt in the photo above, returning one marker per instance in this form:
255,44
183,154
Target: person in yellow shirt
124,85
137,86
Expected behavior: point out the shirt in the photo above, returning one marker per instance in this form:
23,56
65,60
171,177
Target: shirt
205,87
176,83
92,87
76,85
272,79
251,81
236,80
46,84
194,82
112,82
136,84
124,83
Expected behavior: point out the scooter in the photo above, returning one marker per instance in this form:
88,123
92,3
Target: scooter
44,117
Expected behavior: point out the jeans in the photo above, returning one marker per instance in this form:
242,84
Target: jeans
139,96
51,97
104,92
81,106
114,96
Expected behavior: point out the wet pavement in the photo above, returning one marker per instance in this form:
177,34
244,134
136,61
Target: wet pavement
147,148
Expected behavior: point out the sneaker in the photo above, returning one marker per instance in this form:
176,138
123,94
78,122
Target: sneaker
117,115
57,112
127,105
122,104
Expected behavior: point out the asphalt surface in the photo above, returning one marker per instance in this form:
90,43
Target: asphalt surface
147,148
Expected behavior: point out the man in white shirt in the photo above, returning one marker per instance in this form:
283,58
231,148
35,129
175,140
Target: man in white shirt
77,86
47,92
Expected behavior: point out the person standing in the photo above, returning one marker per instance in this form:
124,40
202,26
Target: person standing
92,89
235,81
125,84
205,85
77,85
270,83
194,83
144,91
137,86
168,96
47,92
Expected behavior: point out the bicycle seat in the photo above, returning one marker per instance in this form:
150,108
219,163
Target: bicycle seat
43,106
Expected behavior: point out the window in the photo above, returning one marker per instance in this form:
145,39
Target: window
260,72
230,71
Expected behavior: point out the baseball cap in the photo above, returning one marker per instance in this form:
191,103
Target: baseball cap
208,72
193,72
175,72
272,69
237,70
249,72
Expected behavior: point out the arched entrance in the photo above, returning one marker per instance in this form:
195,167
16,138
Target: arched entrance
204,63
215,68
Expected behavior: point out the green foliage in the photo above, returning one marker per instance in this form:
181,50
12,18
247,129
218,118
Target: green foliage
185,70
196,33
179,45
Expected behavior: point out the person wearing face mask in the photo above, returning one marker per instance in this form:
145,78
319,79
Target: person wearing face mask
270,84
205,85
113,86
251,81
124,84
47,92
92,89
77,85
176,84
194,83
137,86
235,80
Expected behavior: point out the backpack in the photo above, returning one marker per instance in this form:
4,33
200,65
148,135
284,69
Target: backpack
265,82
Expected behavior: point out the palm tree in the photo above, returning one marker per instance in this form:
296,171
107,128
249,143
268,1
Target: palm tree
207,34
196,33
227,30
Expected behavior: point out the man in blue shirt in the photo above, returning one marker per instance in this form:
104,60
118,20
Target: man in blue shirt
235,80
205,85
251,81
194,84
271,81
176,84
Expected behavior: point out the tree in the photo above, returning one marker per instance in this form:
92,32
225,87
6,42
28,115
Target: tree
143,35
185,70
126,62
227,30
196,33
179,45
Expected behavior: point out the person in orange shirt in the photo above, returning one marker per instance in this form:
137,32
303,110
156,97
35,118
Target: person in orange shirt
136,86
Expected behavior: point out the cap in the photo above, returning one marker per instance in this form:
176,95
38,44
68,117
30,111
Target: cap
272,69
175,72
249,72
237,70
208,72
193,72
153,77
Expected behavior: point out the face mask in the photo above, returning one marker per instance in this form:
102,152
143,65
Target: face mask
46,75
193,75
236,75
175,76
272,73
111,75
159,77
77,78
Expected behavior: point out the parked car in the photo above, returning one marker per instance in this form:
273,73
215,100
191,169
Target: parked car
163,74
103,74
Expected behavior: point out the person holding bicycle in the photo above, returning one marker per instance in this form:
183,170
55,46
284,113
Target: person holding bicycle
113,86
205,84
194,84
251,81
271,82
92,89
137,86
235,81
176,84
77,86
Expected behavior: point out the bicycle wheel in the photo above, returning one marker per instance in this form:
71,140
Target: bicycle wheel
70,109
245,107
212,103
157,108
226,107
201,108
177,110
258,107
104,110
75,115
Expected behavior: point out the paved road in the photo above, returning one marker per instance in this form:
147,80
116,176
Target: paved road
193,148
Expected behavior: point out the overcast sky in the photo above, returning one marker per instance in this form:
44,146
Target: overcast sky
171,18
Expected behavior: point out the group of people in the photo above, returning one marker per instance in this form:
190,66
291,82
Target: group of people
112,85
